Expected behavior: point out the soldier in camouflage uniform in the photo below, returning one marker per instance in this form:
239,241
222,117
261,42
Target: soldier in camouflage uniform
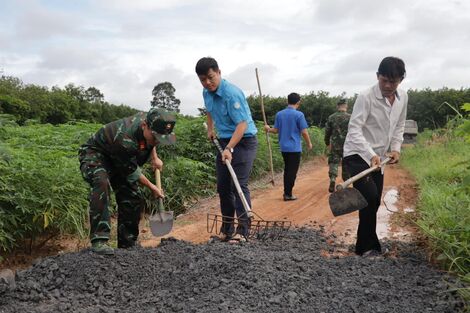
112,158
335,134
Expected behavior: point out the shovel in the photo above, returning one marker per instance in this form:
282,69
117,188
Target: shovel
346,200
161,222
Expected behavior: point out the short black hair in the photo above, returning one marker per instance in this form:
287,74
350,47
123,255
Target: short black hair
293,98
341,102
205,64
392,67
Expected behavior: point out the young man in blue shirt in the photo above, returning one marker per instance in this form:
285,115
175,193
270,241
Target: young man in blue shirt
228,111
290,124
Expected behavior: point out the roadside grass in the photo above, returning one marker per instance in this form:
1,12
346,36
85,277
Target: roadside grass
440,164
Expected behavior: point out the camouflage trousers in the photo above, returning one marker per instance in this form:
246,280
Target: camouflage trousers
98,172
334,159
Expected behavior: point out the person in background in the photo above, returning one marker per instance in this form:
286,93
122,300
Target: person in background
335,134
375,131
290,124
228,112
112,158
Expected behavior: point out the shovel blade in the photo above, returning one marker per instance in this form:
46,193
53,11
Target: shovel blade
346,201
161,223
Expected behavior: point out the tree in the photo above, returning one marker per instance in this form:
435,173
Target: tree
16,107
164,97
94,95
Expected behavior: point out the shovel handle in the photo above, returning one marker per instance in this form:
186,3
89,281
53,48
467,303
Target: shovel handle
158,178
361,174
158,181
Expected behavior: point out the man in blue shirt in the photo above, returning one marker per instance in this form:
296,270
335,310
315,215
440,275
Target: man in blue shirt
290,124
228,111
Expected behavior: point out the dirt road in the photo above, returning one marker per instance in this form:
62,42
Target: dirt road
310,209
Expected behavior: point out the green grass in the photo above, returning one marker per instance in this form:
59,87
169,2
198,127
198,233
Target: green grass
440,164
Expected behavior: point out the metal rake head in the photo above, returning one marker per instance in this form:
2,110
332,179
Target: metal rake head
257,228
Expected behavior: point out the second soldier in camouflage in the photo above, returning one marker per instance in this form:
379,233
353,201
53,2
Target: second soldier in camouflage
335,134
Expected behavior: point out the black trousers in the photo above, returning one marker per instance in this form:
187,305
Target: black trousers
291,166
370,187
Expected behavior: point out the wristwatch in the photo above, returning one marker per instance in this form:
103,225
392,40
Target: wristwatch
229,149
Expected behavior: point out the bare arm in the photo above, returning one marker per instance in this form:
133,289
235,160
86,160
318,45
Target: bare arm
306,137
210,127
268,129
158,193
155,160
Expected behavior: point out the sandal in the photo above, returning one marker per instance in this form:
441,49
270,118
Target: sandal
237,238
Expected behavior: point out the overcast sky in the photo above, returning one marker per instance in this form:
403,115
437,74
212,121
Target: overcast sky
126,47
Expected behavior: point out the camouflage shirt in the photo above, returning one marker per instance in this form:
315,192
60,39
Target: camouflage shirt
123,144
336,130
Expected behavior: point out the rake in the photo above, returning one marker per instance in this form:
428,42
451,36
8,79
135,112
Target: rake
258,228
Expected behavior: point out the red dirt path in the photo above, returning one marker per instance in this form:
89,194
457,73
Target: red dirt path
311,209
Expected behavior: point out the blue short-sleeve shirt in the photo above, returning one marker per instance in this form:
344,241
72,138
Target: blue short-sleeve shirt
290,123
228,107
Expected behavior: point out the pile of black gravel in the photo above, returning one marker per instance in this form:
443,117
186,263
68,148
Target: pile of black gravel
286,275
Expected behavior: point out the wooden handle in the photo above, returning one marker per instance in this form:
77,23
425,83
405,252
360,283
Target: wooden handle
158,179
270,153
261,98
361,174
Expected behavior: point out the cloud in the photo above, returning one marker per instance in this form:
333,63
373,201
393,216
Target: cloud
72,58
37,24
124,48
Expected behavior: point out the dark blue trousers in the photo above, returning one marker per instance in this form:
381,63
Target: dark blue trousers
243,157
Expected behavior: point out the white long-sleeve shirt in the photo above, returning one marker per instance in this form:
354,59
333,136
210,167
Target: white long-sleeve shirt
376,126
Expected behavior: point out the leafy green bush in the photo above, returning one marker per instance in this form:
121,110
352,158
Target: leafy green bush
41,189
440,164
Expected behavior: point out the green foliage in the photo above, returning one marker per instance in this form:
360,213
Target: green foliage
440,164
184,181
464,129
15,107
426,106
57,106
41,189
315,106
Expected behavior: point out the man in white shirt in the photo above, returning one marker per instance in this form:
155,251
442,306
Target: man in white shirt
375,131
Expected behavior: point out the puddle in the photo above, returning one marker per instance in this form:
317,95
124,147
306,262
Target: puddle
386,209
344,227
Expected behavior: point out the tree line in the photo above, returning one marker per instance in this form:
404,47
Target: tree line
430,108
57,105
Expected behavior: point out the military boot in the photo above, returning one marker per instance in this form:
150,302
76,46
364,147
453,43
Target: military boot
331,188
101,247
